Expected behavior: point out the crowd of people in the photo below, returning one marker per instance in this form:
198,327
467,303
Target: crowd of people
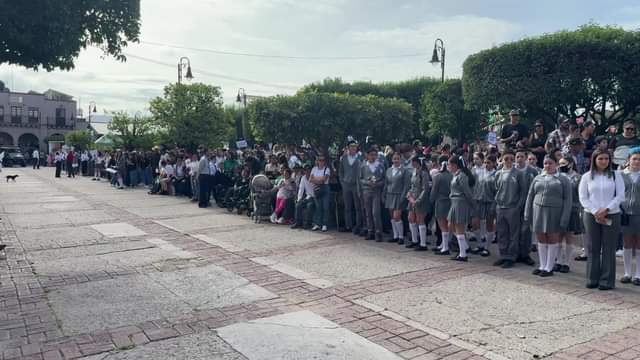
529,192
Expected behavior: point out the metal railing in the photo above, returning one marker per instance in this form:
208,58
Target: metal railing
19,121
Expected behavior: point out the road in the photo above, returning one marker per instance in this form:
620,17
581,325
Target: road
101,273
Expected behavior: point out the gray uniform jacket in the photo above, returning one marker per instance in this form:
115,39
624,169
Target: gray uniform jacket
529,174
420,188
631,203
399,184
511,190
366,175
460,188
485,189
349,174
574,179
441,186
550,191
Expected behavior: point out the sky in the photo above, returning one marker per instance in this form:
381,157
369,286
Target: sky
319,34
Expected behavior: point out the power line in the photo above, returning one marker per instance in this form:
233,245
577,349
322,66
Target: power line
288,57
216,75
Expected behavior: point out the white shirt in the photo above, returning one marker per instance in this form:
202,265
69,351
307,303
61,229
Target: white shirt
293,161
212,168
316,172
598,193
306,188
394,170
36,154
168,170
352,159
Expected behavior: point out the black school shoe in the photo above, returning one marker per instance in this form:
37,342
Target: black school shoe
485,253
392,240
564,269
546,273
526,260
400,241
605,287
508,264
443,252
421,248
410,245
536,272
626,280
460,258
591,286
556,268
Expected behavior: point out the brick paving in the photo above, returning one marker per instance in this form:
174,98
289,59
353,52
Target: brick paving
29,327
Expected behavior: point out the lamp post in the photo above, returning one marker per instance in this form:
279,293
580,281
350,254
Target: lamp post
435,59
92,109
241,99
183,63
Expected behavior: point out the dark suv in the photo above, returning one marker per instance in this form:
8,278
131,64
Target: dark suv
12,156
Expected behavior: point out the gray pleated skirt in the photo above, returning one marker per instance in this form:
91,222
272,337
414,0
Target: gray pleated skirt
576,225
442,207
634,226
546,219
460,212
393,201
484,210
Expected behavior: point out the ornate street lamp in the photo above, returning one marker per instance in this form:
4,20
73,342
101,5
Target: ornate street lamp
435,58
184,63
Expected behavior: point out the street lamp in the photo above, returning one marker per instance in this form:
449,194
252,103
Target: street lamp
183,63
435,59
241,99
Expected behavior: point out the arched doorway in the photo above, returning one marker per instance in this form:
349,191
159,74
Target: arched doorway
6,139
28,142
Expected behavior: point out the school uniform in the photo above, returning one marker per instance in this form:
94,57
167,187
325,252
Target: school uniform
548,205
484,194
420,189
396,186
461,200
440,194
525,239
511,193
631,203
597,192
575,219
372,182
349,174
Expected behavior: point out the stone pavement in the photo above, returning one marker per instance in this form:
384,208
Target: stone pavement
119,274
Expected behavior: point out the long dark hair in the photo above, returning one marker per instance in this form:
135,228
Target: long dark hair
442,163
459,162
608,171
420,160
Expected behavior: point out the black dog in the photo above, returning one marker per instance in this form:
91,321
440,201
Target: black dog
12,177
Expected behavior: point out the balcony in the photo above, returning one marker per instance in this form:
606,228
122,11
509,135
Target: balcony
18,121
60,123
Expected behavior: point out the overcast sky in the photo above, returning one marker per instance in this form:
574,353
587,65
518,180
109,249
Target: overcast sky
313,28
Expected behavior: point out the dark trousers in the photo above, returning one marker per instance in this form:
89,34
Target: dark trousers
36,163
601,250
508,232
58,168
307,204
205,192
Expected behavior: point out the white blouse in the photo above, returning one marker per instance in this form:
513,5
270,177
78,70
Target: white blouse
601,192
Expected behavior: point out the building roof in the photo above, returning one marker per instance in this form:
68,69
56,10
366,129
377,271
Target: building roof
100,128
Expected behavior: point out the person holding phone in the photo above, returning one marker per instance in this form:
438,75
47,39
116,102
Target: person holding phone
601,192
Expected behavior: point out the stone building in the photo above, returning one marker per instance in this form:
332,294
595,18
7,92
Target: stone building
41,120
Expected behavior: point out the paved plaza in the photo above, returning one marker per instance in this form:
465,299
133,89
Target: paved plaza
98,273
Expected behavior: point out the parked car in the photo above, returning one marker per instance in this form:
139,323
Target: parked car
12,156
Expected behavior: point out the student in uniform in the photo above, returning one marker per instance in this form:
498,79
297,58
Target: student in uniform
441,202
462,203
478,171
485,195
524,245
631,208
419,204
396,185
349,174
601,192
511,193
573,235
372,174
548,208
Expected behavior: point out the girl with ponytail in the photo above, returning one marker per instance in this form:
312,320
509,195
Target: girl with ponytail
461,203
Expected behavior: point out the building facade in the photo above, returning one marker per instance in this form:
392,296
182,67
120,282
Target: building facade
34,120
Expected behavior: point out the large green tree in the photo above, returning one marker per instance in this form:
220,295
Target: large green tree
445,113
132,132
79,139
323,119
190,115
593,70
50,34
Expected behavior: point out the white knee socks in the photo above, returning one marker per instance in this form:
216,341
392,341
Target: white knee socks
490,237
423,235
414,232
628,264
445,241
483,230
543,251
551,256
400,229
462,243
637,264
394,226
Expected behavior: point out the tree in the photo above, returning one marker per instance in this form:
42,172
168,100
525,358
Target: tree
191,115
323,119
444,112
51,33
132,132
592,71
79,139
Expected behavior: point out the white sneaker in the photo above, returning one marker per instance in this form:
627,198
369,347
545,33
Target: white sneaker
619,253
315,228
324,228
273,218
280,221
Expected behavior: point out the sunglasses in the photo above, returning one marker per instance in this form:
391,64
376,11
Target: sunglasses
630,128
